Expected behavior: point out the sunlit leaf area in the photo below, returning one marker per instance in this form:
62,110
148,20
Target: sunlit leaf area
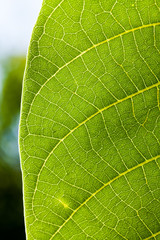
80,120
90,121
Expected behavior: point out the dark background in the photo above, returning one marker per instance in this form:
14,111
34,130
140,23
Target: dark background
11,201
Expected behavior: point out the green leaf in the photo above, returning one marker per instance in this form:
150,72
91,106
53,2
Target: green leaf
90,121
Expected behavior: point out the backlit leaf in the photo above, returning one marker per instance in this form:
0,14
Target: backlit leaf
90,121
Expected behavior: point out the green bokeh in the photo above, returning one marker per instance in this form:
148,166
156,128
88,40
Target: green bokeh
11,200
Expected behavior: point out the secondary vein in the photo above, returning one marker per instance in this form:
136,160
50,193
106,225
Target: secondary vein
105,185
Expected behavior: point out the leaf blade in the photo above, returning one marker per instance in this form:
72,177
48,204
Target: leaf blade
90,110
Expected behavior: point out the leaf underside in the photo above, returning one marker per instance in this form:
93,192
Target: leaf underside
90,121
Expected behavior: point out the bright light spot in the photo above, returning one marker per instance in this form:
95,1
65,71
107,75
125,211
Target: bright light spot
64,204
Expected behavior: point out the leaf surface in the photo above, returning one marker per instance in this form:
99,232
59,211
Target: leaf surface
90,121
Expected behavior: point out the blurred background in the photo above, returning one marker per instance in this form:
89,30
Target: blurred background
17,18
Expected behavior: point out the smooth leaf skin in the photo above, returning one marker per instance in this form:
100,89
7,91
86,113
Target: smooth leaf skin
90,121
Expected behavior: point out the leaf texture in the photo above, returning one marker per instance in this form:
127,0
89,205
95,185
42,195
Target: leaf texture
90,121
